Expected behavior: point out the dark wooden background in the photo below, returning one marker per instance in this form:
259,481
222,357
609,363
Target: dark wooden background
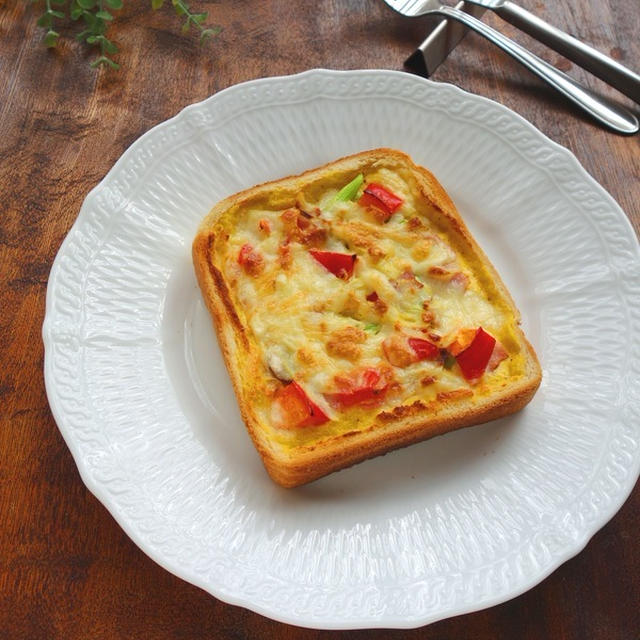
67,571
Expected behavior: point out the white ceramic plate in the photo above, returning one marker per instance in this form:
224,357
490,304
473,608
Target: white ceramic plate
139,391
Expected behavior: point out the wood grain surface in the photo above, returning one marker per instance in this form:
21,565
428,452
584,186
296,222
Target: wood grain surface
67,570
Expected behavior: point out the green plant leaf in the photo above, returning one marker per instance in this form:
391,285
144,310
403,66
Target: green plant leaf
107,45
114,4
103,15
179,8
44,20
104,61
51,38
86,4
209,33
156,4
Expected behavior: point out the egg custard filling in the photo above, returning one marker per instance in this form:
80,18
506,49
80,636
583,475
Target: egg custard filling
359,307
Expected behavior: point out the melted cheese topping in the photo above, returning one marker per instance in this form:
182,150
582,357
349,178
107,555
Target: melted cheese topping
312,326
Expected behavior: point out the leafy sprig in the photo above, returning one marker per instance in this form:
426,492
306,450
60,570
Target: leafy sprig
96,16
190,19
46,21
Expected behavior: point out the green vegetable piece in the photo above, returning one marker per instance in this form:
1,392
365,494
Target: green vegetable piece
372,326
349,191
448,361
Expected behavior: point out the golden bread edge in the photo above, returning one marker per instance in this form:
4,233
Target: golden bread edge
311,462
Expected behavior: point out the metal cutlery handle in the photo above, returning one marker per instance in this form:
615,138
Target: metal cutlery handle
600,65
604,111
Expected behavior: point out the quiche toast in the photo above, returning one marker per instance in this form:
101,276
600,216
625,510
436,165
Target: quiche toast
356,314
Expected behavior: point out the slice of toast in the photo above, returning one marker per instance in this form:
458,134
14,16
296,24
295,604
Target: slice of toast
356,314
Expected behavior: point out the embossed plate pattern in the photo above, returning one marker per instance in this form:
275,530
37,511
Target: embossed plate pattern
464,521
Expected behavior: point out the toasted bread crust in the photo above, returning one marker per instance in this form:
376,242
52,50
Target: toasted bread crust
391,428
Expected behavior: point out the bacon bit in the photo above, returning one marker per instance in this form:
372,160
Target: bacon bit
454,394
414,223
440,273
463,339
398,351
407,282
427,380
250,260
289,217
378,304
264,225
456,278
299,228
428,317
285,259
460,280
435,337
498,354
343,343
314,236
381,306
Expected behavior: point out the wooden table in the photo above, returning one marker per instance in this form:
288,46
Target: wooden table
67,571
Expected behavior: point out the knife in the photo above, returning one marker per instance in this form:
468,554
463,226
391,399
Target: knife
441,42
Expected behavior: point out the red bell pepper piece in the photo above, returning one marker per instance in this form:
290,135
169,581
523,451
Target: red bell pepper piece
366,387
296,409
375,195
474,359
372,297
245,251
340,264
424,349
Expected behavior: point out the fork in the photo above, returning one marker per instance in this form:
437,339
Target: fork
602,66
611,115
